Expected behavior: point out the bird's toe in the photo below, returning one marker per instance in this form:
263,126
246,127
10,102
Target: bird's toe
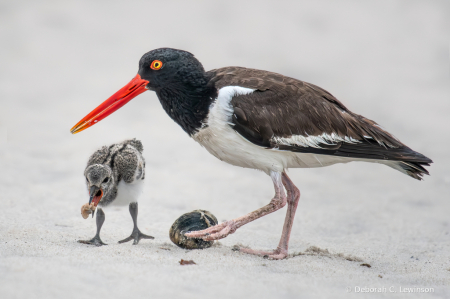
215,232
94,241
126,239
136,236
219,235
277,254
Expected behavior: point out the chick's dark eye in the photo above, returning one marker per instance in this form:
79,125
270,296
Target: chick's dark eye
105,180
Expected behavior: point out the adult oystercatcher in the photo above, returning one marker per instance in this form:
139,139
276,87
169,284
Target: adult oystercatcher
262,120
115,177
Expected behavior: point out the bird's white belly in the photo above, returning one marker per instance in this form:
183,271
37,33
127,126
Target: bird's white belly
127,193
222,141
234,149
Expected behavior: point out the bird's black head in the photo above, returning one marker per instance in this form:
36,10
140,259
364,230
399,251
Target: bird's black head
171,68
179,80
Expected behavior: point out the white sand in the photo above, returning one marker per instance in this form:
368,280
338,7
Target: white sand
387,60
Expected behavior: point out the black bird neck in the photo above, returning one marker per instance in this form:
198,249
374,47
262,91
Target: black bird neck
187,104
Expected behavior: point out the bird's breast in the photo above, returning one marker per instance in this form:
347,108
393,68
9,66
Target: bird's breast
128,192
221,140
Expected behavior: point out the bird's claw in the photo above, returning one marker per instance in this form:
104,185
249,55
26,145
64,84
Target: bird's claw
94,241
136,235
277,254
215,232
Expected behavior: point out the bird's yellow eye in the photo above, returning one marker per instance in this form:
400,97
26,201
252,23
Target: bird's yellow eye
156,65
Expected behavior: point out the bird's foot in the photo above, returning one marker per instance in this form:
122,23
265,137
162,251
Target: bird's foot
215,232
277,254
94,241
136,235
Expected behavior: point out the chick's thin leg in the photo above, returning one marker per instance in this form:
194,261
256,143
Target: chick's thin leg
136,235
100,219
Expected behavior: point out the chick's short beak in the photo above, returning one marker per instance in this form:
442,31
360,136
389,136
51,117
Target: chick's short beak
95,195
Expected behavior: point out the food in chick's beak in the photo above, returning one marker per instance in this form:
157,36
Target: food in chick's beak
87,209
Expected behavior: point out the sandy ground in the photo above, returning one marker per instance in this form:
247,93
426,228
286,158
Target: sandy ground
387,60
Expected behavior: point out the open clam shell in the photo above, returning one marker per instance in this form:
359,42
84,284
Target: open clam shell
193,221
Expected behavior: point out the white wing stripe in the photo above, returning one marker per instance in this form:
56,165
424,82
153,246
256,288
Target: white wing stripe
313,141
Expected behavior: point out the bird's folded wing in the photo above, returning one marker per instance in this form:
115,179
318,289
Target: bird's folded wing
288,114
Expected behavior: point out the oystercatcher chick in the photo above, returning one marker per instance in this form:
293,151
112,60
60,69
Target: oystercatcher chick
115,177
261,120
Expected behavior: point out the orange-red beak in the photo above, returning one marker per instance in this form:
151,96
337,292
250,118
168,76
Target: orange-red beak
117,100
95,195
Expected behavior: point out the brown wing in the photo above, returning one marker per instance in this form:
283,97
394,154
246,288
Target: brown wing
282,107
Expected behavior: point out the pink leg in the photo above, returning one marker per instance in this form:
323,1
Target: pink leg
222,230
293,195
